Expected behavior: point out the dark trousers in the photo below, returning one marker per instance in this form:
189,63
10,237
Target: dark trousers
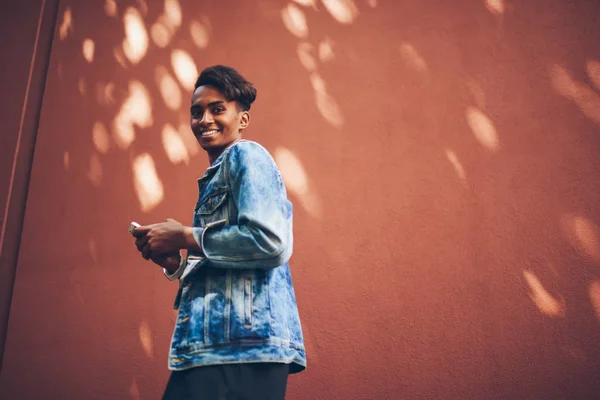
264,381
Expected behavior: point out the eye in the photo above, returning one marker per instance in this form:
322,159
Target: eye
218,110
196,114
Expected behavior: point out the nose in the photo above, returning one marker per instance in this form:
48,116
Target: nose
207,118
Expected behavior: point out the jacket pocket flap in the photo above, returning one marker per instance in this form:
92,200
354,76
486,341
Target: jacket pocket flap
212,203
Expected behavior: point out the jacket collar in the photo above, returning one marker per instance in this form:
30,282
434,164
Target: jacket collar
210,171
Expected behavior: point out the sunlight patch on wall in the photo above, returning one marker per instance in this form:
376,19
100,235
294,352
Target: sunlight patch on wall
483,128
496,7
326,50
412,58
105,93
200,33
146,339
372,3
136,110
458,168
307,60
295,21
185,69
100,137
594,292
78,293
174,145
135,44
95,170
120,57
81,86
476,92
169,89
66,26
296,180
66,160
545,302
581,94
307,3
109,93
326,104
88,50
343,11
93,251
191,144
593,70
148,186
134,390
160,35
143,7
583,235
173,13
110,8
167,23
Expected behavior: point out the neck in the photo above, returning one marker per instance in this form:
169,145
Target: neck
213,156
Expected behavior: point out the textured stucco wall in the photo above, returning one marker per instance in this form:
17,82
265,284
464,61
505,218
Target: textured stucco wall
443,162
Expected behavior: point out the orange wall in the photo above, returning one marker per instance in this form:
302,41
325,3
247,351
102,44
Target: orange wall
25,29
14,81
443,159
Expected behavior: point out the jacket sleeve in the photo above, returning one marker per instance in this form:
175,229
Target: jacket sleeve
262,235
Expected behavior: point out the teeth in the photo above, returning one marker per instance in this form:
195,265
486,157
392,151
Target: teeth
208,133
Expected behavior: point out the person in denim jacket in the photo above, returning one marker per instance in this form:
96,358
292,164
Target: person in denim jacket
238,332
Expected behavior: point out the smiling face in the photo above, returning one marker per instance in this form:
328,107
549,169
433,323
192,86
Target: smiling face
216,121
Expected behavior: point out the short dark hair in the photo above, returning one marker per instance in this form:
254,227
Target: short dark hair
233,85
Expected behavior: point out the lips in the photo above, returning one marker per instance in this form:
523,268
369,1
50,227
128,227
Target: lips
208,133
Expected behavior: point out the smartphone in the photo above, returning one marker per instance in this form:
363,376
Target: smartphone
132,226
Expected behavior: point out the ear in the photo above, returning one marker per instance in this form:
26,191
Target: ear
244,119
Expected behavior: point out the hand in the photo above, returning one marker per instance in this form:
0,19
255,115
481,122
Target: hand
159,239
169,261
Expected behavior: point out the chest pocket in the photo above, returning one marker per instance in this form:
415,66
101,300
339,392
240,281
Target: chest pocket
214,207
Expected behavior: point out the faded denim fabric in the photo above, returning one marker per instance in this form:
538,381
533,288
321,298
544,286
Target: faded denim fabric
237,304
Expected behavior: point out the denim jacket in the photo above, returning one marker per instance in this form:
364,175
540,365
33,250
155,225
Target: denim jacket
236,302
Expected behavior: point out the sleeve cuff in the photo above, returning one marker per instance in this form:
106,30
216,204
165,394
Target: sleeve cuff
198,233
177,274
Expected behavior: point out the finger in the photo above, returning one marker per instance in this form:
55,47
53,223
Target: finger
142,253
141,241
146,252
158,260
141,231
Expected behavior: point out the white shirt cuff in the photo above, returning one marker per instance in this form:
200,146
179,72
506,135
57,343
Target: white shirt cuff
176,274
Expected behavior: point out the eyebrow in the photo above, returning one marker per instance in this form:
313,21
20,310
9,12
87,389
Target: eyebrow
211,104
